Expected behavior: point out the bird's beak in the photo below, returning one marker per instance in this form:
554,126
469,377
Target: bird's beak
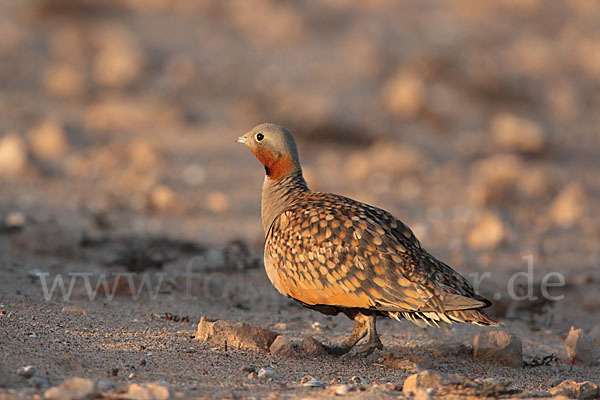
242,139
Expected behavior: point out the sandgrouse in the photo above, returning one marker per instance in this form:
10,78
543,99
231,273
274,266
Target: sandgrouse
334,254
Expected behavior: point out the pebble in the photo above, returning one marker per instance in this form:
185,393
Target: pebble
311,346
310,381
72,388
488,232
568,206
576,390
341,390
13,155
162,198
104,385
498,347
282,346
48,140
492,179
147,391
580,348
190,350
27,371
217,202
265,373
14,221
404,94
358,381
427,379
517,134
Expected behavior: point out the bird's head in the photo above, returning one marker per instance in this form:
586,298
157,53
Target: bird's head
275,148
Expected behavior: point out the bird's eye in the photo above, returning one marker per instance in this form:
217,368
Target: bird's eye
259,136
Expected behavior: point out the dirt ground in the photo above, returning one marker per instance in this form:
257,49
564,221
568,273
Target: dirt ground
475,123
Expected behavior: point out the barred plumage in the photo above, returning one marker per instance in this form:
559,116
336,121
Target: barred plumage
335,254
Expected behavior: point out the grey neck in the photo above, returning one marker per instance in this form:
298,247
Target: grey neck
277,195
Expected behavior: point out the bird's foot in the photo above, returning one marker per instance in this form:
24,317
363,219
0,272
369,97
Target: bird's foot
369,347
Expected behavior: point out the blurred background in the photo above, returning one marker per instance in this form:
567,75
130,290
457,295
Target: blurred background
475,122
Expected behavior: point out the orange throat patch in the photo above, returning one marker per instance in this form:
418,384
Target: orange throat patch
276,167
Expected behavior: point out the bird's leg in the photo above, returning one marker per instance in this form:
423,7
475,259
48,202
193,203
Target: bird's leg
361,328
373,341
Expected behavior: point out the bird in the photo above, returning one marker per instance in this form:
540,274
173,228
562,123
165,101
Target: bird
337,255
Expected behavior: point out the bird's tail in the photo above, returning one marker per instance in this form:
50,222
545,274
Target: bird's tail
432,318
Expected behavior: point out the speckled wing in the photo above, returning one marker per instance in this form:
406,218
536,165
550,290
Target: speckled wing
327,249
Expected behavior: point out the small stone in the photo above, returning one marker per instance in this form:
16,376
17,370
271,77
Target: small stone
147,391
404,94
190,350
282,346
280,326
162,198
14,221
64,80
580,348
27,371
104,385
358,381
48,140
194,175
518,134
426,380
236,334
265,373
13,155
568,206
492,180
217,202
576,390
341,390
72,388
311,346
498,347
488,232
310,381
39,382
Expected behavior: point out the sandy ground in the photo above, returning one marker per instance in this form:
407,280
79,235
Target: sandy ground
475,124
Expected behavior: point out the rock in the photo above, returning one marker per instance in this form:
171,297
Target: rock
217,202
265,373
72,388
310,381
517,134
63,79
311,346
147,391
595,334
341,390
492,179
48,140
14,221
27,371
118,63
104,386
568,206
39,382
576,390
488,232
422,394
236,334
162,198
411,364
404,94
282,346
428,380
13,155
580,348
498,347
